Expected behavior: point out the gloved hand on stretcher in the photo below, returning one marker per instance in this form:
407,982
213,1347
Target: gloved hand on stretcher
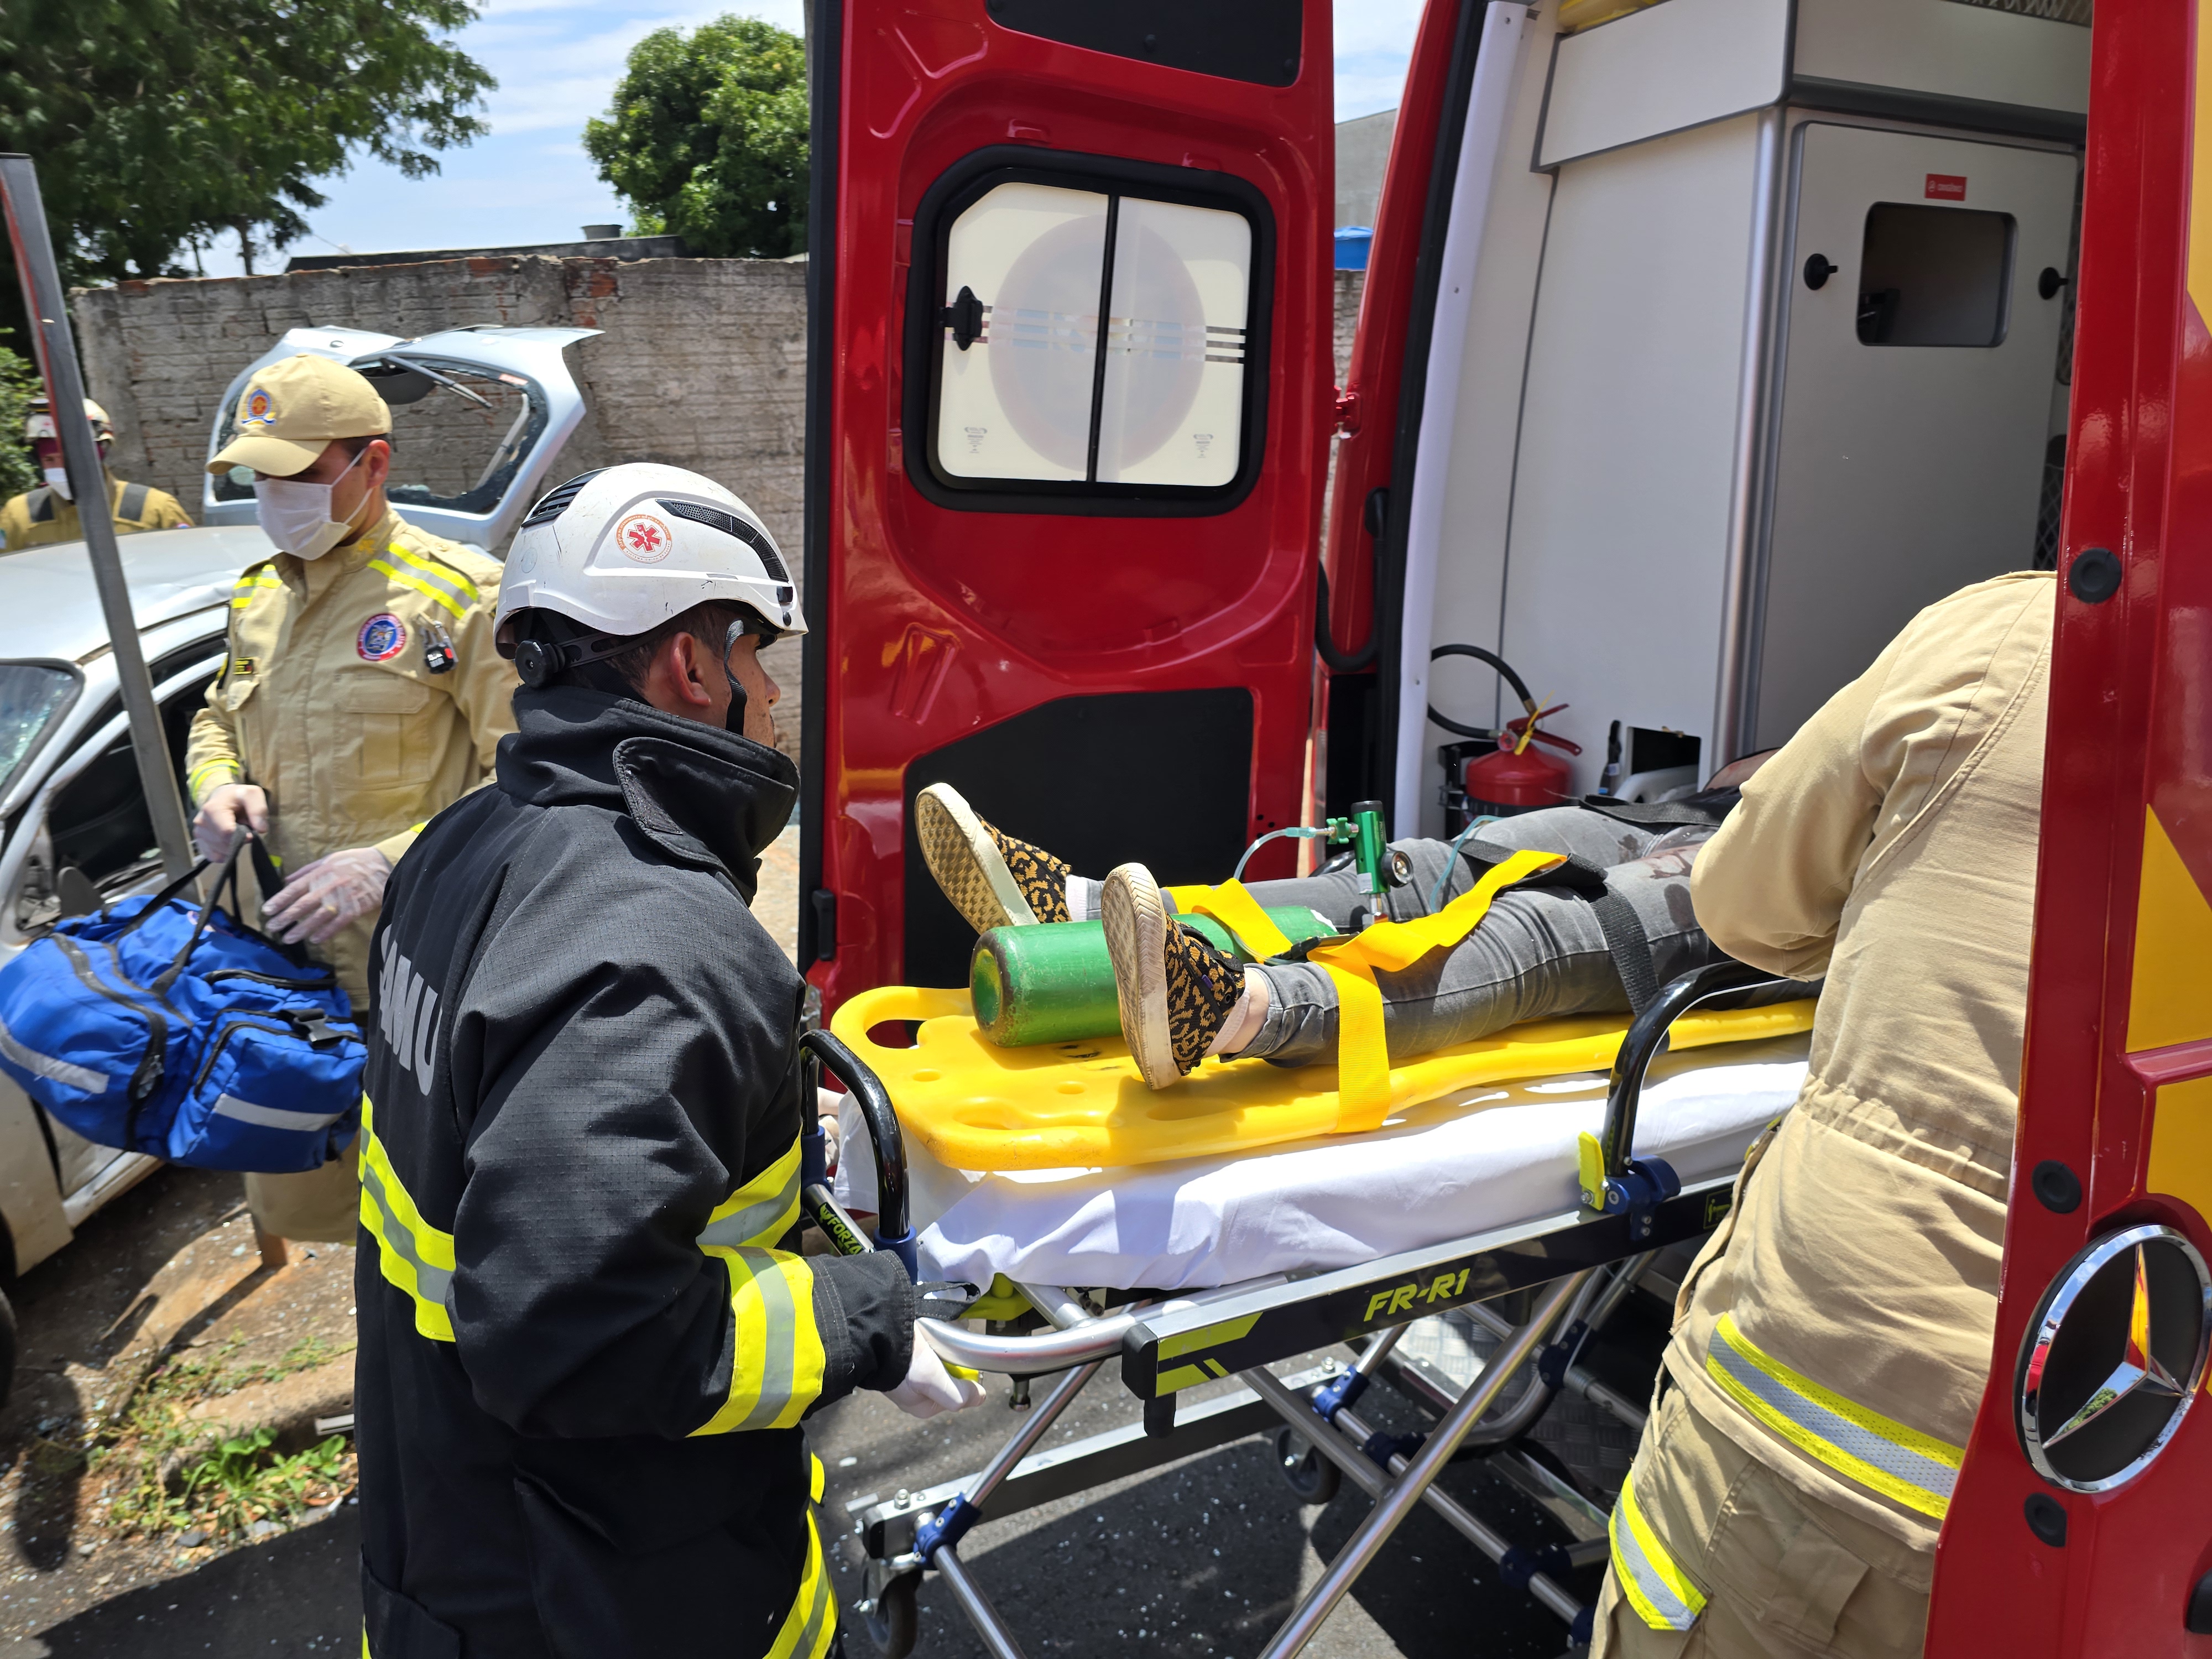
931,1389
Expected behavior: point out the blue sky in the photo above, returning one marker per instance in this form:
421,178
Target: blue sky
557,62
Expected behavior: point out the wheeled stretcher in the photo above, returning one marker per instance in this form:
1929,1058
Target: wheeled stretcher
1419,1314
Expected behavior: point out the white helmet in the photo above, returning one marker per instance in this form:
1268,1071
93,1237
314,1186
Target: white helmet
41,422
624,549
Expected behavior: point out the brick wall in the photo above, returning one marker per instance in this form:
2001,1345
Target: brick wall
703,364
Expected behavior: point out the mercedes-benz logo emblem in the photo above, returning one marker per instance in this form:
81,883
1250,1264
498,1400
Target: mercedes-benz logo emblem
2114,1356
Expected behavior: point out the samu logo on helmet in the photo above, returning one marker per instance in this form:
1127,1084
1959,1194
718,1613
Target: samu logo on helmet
260,409
643,539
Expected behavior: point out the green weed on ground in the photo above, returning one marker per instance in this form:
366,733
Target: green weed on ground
220,1493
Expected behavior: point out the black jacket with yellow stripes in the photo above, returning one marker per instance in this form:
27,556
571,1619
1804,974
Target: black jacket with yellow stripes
582,1362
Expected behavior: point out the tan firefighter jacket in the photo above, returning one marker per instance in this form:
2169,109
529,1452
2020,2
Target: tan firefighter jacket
332,702
39,516
1838,1326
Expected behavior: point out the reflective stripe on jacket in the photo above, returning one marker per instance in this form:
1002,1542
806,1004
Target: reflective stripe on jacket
585,1342
331,700
39,517
1650,1580
1838,1325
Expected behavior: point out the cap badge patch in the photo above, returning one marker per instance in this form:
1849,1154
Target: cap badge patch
260,409
643,539
382,637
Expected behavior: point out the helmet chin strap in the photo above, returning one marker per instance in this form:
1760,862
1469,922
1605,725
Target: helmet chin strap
735,720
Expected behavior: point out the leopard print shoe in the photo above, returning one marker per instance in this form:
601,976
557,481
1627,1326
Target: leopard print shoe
1175,991
992,879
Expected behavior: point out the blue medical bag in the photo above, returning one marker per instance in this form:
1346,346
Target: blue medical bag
162,1026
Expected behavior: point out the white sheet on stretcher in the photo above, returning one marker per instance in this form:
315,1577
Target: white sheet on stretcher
1327,1203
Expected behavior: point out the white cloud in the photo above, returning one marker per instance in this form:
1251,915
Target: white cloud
557,61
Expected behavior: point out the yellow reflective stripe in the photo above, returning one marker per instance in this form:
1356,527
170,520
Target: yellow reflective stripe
1915,1469
760,1212
776,1362
203,775
408,579
254,580
460,586
812,1620
1660,1592
432,580
415,1257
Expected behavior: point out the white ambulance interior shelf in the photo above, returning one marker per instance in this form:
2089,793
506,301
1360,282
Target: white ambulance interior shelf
1422,1180
1159,400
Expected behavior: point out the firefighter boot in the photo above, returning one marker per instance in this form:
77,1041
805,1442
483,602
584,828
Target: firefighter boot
992,879
1177,992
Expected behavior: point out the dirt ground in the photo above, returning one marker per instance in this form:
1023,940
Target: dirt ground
164,1282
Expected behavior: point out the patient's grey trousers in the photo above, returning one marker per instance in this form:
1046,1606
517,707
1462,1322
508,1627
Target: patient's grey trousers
1540,953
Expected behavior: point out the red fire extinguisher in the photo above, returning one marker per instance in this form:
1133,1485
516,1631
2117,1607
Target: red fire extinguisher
1519,776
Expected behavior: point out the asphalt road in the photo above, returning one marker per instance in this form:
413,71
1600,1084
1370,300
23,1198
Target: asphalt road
1202,1559
298,1594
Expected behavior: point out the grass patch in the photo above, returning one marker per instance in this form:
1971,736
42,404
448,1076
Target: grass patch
147,1492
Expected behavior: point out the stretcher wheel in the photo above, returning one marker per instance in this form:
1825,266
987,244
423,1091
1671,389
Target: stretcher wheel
1301,1464
893,1622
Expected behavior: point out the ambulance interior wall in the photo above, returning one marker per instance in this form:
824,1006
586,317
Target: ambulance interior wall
703,364
1478,489
1614,569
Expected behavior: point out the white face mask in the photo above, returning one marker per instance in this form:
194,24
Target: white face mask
60,481
297,516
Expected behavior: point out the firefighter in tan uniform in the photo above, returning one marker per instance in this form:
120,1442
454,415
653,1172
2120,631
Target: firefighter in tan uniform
1832,1341
362,695
47,514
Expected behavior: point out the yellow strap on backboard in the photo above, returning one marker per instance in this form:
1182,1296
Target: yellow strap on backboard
1362,1055
1233,905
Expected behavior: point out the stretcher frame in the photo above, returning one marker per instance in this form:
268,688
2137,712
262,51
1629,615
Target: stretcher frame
1163,1345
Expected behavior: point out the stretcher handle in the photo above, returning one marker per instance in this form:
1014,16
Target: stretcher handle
1647,1038
894,1229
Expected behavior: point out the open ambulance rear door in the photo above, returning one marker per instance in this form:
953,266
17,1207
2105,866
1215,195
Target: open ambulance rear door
2080,1524
1068,404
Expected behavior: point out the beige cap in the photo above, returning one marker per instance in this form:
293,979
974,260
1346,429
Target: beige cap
40,423
290,410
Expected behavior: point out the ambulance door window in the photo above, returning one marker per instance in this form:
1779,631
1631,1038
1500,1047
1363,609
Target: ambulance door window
1934,276
1029,398
1021,339
1172,393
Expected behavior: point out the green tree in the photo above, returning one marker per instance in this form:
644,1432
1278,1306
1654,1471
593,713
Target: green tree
707,138
19,380
159,125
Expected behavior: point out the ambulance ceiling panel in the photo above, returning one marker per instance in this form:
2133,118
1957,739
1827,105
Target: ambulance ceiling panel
1675,66
2017,66
1946,50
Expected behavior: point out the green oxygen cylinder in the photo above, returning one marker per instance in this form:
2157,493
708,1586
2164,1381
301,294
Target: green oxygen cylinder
1054,982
